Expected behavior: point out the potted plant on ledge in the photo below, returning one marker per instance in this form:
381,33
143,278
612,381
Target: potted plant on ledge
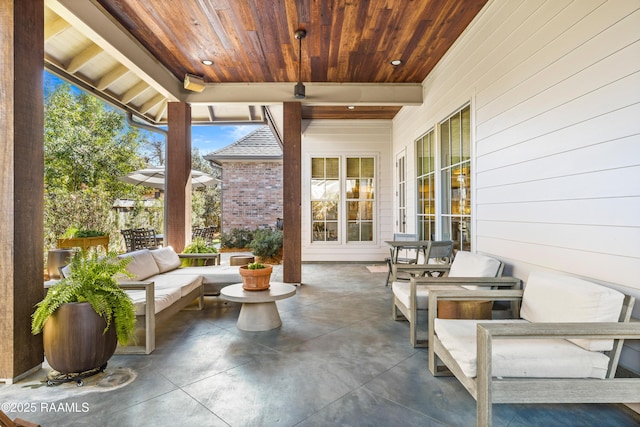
255,276
199,253
83,316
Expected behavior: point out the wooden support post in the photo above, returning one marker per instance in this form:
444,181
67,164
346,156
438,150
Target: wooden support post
21,184
292,192
178,181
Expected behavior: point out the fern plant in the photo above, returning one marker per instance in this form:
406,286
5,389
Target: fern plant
92,280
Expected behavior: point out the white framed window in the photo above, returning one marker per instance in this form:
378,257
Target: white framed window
360,198
401,192
443,174
455,160
426,185
325,199
343,203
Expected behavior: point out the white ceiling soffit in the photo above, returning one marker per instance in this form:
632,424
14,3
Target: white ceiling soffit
86,47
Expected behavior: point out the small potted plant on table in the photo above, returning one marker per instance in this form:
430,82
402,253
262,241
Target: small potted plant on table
255,276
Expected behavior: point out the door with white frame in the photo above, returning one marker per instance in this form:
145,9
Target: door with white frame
401,192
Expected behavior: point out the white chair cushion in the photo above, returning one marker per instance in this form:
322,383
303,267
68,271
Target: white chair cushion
402,291
553,297
468,264
166,258
142,266
533,358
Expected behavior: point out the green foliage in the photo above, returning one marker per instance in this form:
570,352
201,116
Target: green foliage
236,238
87,144
255,266
205,202
79,232
266,243
87,209
200,246
92,280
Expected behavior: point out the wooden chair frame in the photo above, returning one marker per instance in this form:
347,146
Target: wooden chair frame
422,275
486,389
151,317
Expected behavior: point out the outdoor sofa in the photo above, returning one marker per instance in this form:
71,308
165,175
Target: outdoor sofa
160,287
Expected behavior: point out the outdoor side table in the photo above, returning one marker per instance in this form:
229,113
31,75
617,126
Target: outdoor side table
259,311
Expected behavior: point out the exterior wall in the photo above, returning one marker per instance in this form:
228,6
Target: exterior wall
251,194
346,137
555,99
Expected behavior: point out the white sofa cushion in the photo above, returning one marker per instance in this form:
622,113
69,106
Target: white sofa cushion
533,358
167,291
402,291
468,264
213,274
553,297
163,299
166,258
142,266
186,282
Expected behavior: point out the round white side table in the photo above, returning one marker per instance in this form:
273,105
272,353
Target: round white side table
259,311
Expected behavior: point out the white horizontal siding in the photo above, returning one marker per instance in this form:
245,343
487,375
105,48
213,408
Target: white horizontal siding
555,95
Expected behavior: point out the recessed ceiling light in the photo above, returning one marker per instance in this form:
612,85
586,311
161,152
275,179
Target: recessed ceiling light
351,107
207,62
396,62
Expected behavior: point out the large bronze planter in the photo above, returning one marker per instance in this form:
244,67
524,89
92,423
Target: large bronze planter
74,339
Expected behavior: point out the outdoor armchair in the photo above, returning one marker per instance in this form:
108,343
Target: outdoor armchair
467,271
564,349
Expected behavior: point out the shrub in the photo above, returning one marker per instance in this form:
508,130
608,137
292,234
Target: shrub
236,238
266,243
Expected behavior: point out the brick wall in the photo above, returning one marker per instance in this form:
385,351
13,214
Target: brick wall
251,194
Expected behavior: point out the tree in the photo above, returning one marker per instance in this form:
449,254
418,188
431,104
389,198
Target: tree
87,144
205,203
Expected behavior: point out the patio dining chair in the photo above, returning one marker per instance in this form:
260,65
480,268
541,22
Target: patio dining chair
145,238
410,256
129,240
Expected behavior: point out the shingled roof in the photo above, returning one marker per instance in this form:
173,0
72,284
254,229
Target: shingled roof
258,145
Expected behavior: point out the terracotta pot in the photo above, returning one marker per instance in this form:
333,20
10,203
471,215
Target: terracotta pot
255,280
74,339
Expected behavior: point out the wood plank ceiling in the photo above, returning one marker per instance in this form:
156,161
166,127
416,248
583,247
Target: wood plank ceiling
252,41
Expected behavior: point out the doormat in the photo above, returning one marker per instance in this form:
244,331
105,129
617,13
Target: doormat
377,268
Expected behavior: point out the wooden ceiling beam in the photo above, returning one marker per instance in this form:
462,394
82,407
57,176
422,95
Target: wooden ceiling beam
111,77
134,92
55,27
152,103
83,58
89,18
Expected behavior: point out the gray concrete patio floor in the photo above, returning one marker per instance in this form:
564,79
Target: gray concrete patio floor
337,360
